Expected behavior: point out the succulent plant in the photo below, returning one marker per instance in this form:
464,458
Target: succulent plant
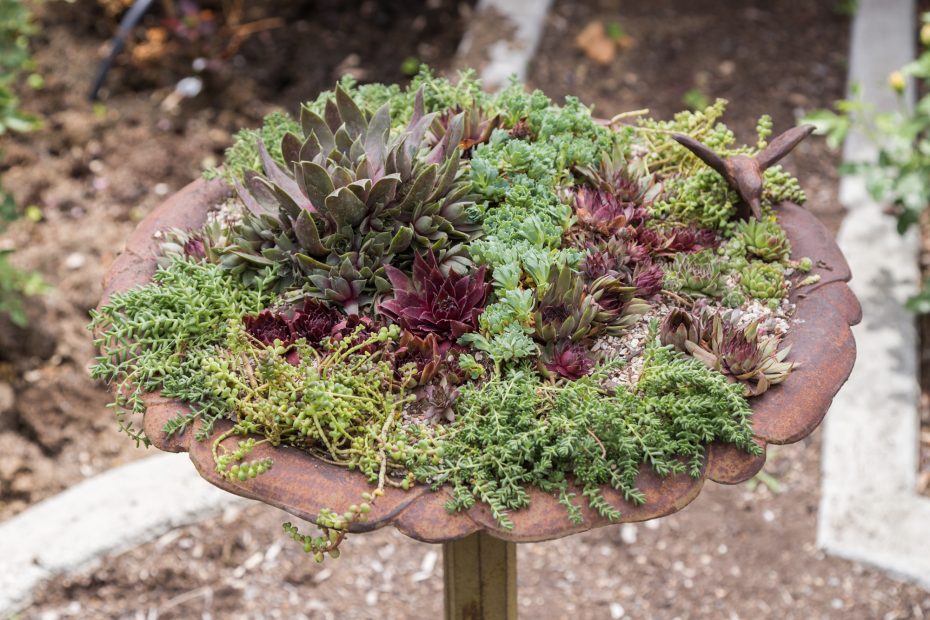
618,306
352,200
426,354
743,354
434,401
566,360
566,311
671,241
359,328
314,321
267,327
607,213
432,302
476,126
680,327
697,275
627,180
521,130
764,239
648,278
618,256
763,280
202,244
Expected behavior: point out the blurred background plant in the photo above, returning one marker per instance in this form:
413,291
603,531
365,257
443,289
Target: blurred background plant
899,175
16,69
211,33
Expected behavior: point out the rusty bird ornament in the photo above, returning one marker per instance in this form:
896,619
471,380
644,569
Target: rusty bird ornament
744,172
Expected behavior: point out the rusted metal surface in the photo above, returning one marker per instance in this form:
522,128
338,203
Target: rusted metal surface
744,172
822,344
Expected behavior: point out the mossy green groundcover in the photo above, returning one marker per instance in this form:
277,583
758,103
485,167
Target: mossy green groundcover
476,292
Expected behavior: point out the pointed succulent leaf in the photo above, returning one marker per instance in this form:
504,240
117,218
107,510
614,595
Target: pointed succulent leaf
376,138
311,149
280,178
311,263
250,202
344,207
290,149
419,109
307,234
312,124
401,240
316,182
350,113
384,190
421,188
341,177
331,115
289,206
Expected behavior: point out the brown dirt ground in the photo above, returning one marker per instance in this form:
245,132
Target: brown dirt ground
744,552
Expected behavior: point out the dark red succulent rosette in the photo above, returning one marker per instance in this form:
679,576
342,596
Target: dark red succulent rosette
820,336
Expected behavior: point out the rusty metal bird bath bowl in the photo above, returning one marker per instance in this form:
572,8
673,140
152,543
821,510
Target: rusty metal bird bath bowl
479,567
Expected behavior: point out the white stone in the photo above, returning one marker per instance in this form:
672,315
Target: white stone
628,533
110,513
75,260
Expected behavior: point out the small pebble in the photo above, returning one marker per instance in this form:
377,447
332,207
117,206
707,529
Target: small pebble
628,533
75,260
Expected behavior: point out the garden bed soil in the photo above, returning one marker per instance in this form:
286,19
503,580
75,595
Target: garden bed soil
737,551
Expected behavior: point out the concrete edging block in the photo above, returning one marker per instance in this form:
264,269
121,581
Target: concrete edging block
519,26
107,514
869,509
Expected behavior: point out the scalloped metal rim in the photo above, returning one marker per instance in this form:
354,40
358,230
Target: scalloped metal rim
821,339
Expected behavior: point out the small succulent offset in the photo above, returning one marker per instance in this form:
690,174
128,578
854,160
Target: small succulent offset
697,275
618,306
316,320
648,278
431,302
764,239
268,327
193,244
312,322
764,280
435,401
676,240
566,360
566,311
680,327
607,213
424,354
742,354
476,126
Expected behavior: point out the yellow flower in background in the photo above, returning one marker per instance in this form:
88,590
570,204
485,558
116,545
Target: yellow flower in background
897,82
925,34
